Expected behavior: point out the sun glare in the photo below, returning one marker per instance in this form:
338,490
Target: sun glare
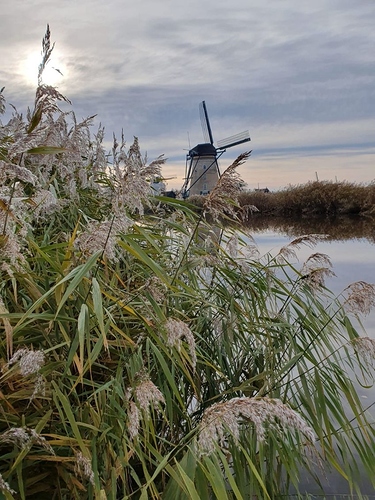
52,74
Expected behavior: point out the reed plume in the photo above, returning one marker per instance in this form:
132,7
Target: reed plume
223,199
261,412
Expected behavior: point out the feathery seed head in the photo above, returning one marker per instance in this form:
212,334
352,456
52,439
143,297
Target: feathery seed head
156,288
232,246
2,102
223,198
11,248
365,348
310,240
134,418
288,251
40,387
176,330
227,416
132,175
4,486
16,435
316,269
145,395
286,254
83,467
24,437
45,203
29,361
148,395
360,298
102,236
247,211
10,171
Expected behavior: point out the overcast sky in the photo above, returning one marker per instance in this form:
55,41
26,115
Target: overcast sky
299,75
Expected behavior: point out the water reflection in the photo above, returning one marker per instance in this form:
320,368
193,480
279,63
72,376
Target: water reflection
337,228
350,245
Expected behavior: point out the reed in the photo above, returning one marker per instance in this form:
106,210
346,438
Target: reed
315,198
150,354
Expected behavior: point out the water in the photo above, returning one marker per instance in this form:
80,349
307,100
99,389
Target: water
350,244
351,248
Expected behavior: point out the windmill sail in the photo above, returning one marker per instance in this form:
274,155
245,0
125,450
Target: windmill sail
233,140
206,127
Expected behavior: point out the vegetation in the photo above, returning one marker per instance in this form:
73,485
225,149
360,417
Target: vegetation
315,198
153,355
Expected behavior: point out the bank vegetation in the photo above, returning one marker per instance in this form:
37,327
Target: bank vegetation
315,198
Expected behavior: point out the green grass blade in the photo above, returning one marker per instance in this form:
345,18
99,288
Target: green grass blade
70,416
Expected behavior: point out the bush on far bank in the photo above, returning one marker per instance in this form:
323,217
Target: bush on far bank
316,198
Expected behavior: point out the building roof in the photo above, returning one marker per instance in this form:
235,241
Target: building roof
206,149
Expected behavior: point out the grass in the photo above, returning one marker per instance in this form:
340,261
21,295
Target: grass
145,351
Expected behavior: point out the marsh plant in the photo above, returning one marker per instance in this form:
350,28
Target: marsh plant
148,354
327,198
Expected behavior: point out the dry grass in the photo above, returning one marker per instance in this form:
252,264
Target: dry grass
318,198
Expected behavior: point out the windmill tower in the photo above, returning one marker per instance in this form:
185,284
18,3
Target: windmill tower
202,168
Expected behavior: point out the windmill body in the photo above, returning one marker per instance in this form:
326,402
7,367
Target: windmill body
202,168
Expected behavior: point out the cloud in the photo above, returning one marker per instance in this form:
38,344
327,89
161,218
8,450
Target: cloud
300,76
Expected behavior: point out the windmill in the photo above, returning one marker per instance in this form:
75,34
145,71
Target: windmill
202,168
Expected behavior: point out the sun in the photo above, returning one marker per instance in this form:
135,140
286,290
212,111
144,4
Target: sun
53,73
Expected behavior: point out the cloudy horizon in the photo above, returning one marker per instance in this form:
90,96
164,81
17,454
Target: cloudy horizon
299,76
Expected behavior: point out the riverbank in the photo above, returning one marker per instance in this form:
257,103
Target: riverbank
314,198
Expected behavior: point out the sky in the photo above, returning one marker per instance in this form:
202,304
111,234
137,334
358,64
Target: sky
299,75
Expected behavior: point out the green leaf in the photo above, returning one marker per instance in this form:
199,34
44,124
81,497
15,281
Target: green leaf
167,373
98,309
193,494
65,403
83,332
215,477
133,248
35,119
79,274
255,472
229,475
45,150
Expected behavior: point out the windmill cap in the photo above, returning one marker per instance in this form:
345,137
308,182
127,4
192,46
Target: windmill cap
206,149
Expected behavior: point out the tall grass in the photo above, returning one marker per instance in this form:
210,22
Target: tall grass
149,353
318,197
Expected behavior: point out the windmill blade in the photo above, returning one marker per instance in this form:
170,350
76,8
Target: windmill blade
233,140
206,127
